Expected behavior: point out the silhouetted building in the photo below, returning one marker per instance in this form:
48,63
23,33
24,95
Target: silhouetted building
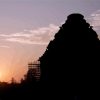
71,61
33,73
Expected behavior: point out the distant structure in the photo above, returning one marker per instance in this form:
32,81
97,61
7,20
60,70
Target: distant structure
33,71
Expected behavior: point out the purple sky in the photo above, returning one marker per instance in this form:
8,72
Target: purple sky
26,27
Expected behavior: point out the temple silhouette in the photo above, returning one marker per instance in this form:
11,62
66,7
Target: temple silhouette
70,64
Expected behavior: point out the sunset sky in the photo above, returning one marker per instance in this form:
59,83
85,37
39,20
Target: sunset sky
27,26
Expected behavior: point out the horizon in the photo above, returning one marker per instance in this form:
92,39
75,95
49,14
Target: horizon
27,26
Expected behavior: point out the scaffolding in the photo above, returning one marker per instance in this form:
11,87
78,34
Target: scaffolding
34,69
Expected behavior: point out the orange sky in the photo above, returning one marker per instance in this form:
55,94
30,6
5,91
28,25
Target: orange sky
13,61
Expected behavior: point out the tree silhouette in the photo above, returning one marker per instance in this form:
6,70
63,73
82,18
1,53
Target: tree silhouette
71,60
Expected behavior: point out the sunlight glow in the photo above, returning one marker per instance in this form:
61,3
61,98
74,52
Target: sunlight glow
4,75
0,76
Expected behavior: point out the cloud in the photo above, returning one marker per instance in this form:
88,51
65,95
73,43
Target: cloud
39,36
20,34
26,41
95,20
4,46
